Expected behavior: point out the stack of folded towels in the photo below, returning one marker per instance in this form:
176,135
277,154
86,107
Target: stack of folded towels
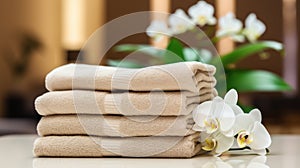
97,111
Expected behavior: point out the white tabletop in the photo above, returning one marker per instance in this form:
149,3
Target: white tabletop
16,152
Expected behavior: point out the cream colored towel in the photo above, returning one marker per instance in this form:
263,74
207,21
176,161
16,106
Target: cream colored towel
115,126
85,146
128,103
191,76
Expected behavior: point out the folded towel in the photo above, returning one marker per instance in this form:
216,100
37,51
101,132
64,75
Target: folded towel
128,103
85,146
191,76
115,126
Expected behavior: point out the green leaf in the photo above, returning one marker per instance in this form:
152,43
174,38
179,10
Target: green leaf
249,49
255,80
176,47
174,52
124,64
146,49
130,47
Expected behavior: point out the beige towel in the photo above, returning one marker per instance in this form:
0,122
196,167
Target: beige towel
115,126
85,146
128,103
190,76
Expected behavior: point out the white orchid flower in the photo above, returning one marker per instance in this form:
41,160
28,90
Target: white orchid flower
230,26
202,13
158,29
251,133
180,22
254,28
214,115
217,114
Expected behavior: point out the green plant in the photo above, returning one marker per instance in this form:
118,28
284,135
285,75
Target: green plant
243,80
28,45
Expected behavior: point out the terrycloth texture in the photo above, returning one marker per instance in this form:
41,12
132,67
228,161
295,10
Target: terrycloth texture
85,146
128,103
115,126
191,76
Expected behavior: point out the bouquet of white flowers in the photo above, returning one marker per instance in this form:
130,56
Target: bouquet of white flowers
200,20
224,126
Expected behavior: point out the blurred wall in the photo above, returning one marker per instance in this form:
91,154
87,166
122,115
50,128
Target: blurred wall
40,18
271,15
117,8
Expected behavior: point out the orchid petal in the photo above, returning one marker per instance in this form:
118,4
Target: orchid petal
229,133
238,38
243,122
212,21
254,28
223,143
256,24
256,115
202,13
225,115
180,22
157,29
221,33
226,124
202,112
236,109
235,144
231,97
261,137
251,18
229,24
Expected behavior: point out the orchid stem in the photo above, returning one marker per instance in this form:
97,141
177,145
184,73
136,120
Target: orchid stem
236,149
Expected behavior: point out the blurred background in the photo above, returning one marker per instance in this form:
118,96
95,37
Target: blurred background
37,36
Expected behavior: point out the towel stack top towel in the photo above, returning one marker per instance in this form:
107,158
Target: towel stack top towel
190,76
